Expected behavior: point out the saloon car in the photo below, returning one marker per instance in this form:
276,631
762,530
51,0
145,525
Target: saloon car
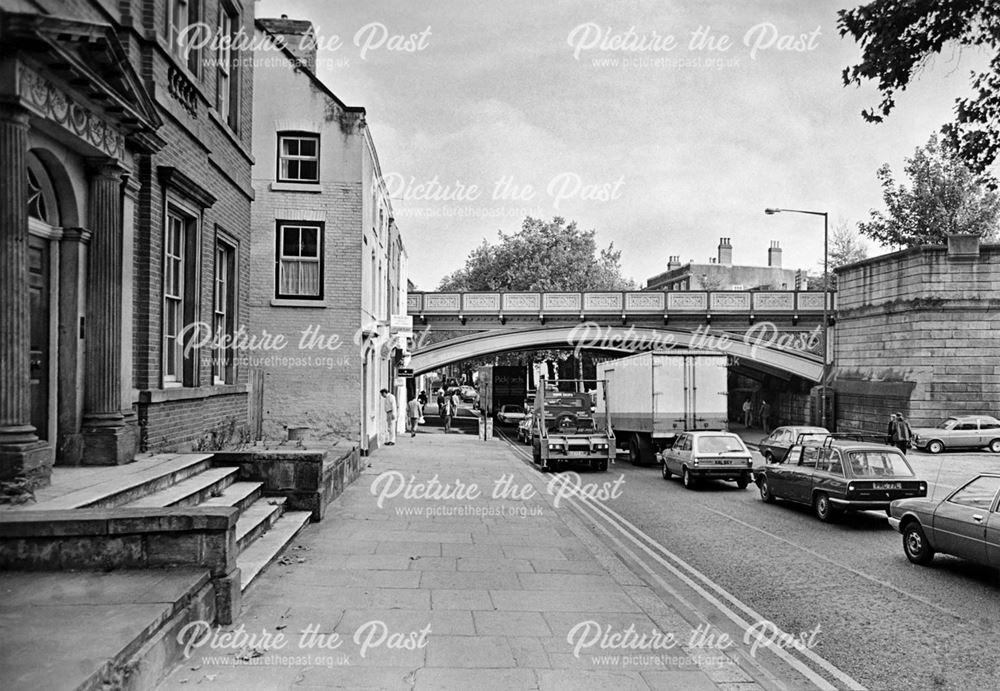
959,432
840,475
510,414
965,524
775,446
716,455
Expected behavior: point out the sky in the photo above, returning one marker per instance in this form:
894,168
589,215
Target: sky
664,125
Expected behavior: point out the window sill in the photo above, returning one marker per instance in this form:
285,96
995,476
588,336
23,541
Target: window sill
286,302
187,393
312,187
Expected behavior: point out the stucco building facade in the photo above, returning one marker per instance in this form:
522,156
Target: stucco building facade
328,259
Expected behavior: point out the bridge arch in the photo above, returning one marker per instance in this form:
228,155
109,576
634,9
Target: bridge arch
753,348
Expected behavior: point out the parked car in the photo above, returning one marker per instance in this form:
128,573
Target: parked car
467,393
840,475
524,429
960,432
510,414
697,455
965,524
774,447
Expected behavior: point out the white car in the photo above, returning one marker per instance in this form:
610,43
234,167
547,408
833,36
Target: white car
510,414
715,455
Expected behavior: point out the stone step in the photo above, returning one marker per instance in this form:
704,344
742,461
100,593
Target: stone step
258,519
239,494
257,556
189,492
133,481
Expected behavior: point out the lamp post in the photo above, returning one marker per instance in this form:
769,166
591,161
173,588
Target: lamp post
826,291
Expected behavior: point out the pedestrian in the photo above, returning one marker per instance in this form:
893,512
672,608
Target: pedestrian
891,431
390,417
414,413
765,416
448,412
422,398
746,413
901,433
440,397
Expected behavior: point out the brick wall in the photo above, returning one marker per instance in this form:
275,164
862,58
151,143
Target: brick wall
916,333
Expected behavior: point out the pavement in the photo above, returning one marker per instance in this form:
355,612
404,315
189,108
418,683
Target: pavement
440,569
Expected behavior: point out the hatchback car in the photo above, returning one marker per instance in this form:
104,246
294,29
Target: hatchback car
960,432
697,455
510,414
840,475
774,447
964,524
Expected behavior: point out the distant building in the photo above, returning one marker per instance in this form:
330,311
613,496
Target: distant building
721,274
328,259
124,215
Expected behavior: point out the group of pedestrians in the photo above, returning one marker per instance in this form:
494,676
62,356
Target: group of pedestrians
447,409
762,415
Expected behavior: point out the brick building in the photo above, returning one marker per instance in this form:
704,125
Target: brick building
720,273
916,333
328,260
125,157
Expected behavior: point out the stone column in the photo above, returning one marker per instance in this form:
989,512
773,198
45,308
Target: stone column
107,439
20,449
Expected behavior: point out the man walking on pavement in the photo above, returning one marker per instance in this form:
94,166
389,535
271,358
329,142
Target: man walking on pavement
901,433
746,413
765,416
390,417
413,412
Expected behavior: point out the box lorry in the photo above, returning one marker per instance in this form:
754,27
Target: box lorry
564,431
653,396
500,385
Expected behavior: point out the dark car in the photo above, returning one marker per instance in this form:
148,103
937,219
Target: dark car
840,475
960,432
775,446
964,524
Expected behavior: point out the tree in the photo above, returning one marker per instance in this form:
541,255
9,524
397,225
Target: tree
943,197
846,247
898,38
543,256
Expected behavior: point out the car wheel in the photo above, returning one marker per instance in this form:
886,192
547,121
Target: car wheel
768,457
743,482
664,471
915,544
687,478
935,446
995,446
823,508
765,492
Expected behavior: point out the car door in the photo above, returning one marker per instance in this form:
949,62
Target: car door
800,476
960,521
767,443
966,433
778,473
673,456
993,535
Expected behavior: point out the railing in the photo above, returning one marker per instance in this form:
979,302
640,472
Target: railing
621,303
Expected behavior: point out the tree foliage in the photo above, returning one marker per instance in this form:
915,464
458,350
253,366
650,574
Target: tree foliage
898,37
542,256
943,197
846,246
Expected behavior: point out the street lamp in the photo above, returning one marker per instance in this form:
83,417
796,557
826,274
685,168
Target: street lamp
826,294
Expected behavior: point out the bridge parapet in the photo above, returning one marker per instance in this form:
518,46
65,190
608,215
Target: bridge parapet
625,303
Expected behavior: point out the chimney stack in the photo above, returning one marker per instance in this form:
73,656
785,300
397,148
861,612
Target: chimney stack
674,262
296,35
725,252
774,255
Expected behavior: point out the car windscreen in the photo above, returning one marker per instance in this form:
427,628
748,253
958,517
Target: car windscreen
878,464
719,444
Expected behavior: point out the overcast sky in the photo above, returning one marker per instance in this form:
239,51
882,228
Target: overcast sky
661,150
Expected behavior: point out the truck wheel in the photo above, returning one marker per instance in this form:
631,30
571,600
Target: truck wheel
602,466
687,478
664,471
536,454
640,450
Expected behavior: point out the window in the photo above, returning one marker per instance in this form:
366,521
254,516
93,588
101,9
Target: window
979,493
988,424
173,296
966,426
299,263
865,464
224,312
227,81
182,14
298,157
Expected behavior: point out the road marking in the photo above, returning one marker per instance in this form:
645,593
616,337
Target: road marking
838,564
633,531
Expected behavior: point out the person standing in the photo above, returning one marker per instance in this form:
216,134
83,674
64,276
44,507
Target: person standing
901,433
746,413
765,416
422,398
390,416
891,430
440,398
414,413
447,412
